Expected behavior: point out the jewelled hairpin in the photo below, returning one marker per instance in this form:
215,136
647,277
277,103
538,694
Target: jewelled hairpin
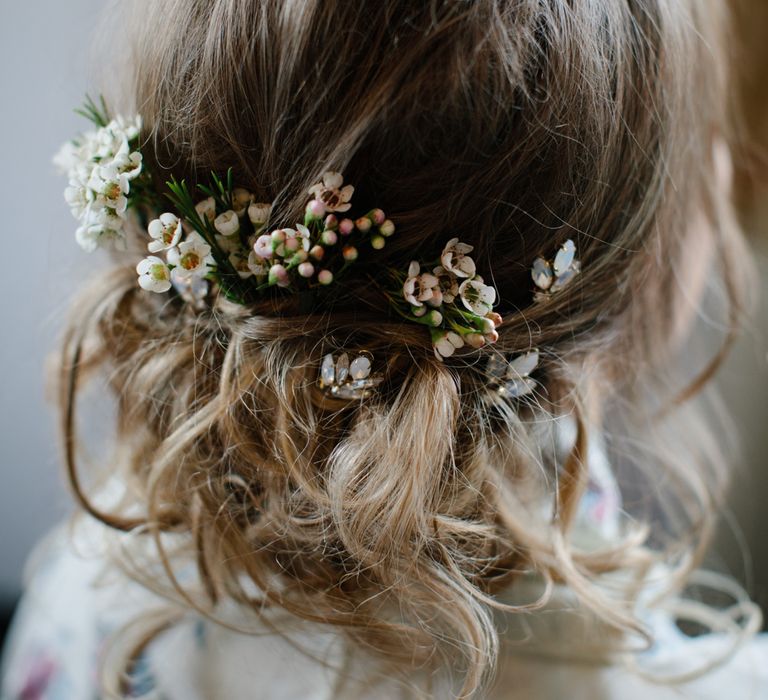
552,276
509,376
348,379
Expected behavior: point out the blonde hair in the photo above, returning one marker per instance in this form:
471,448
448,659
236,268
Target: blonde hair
516,125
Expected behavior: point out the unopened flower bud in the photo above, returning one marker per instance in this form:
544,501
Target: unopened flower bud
278,236
325,277
316,209
475,340
387,228
363,224
378,242
329,237
349,252
331,222
435,318
278,275
346,226
491,337
418,311
495,318
306,269
292,244
317,252
300,257
377,216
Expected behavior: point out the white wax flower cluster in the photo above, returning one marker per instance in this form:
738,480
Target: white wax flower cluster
100,165
432,296
229,237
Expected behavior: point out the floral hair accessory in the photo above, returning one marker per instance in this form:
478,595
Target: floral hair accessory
347,379
450,299
552,276
509,376
222,239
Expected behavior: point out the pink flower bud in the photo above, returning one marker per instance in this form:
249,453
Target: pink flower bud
363,224
488,325
494,318
475,340
378,242
377,216
346,226
292,244
329,237
278,236
349,252
387,228
316,209
418,311
317,252
300,257
325,277
306,269
331,222
278,275
263,246
491,337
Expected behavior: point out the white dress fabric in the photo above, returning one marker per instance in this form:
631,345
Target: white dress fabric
71,606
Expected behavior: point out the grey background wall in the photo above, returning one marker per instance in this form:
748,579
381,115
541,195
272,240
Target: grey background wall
44,51
44,48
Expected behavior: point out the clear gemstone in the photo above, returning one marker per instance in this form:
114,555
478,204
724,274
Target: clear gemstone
327,372
523,365
342,368
516,388
564,279
496,367
541,272
564,257
360,367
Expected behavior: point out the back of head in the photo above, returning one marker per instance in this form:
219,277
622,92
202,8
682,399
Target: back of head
514,125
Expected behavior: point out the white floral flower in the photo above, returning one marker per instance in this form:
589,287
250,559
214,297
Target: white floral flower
476,296
331,193
259,213
79,199
247,265
154,274
227,223
449,285
192,258
298,239
206,209
101,228
421,287
257,265
455,259
109,188
229,244
446,343
241,200
165,232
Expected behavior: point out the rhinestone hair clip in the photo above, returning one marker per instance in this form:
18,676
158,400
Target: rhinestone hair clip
345,379
551,276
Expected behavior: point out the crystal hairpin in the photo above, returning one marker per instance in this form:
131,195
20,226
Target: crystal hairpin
347,379
552,276
509,376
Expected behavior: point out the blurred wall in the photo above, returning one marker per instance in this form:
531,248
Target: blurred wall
43,76
741,544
